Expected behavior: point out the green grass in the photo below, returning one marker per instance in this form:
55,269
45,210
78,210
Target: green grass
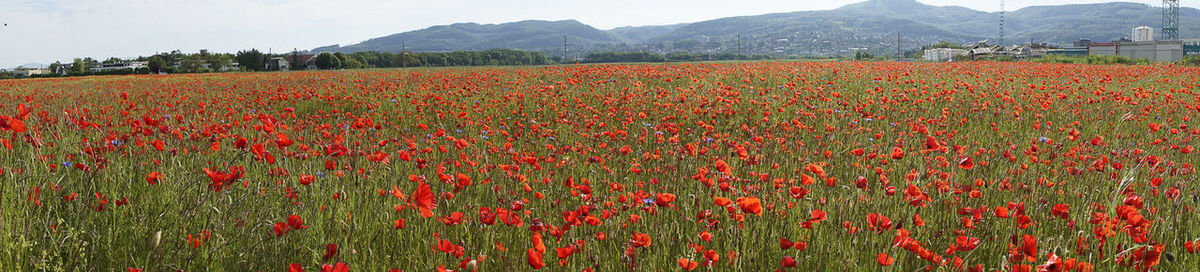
967,105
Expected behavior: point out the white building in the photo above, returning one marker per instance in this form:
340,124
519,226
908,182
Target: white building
1143,34
31,71
132,65
945,54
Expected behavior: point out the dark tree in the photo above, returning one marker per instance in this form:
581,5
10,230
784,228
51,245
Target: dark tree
156,63
252,60
327,61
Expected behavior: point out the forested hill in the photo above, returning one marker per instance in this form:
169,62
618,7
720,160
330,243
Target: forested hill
871,25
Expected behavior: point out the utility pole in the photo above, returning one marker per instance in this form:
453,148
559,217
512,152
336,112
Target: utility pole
1000,42
564,47
899,52
404,54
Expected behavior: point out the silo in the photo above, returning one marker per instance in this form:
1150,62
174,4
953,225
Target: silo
1143,34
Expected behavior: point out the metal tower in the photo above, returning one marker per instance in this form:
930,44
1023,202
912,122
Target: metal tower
1170,20
1000,41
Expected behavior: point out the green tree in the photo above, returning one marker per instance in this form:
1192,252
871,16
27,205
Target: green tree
78,67
252,60
327,61
89,63
946,44
156,63
218,61
341,59
192,64
352,63
862,55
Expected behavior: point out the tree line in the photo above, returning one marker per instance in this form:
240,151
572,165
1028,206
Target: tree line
638,56
375,59
254,60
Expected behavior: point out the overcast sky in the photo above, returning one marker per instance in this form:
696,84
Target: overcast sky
44,31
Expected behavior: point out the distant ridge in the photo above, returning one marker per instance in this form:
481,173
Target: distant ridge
870,25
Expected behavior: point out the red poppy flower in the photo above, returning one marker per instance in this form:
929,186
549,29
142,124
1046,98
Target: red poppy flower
801,245
221,180
721,201
788,262
282,140
897,153
330,250
966,163
295,222
339,267
534,259
932,143
750,205
424,200
641,240
564,252
154,177
280,228
1061,211
687,264
1029,247
664,199
884,260
307,179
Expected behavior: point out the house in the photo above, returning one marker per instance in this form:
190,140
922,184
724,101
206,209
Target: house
63,69
204,65
130,65
277,64
307,61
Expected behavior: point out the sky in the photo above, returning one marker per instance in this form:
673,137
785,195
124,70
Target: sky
45,31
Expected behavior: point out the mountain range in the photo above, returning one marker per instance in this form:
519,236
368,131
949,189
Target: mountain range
873,26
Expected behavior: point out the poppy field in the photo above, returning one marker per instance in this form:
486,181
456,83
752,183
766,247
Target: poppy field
758,166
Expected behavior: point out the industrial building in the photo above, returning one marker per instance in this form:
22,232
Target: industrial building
1191,47
1158,51
1143,46
1069,51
